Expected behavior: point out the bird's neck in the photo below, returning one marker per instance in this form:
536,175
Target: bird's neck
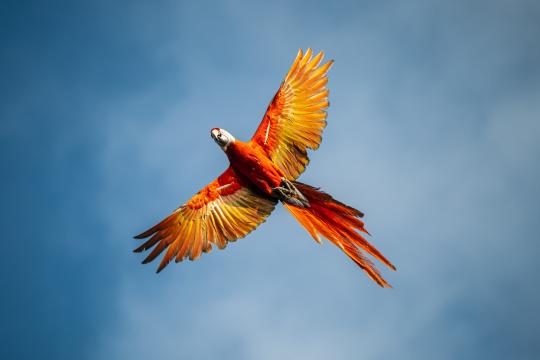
234,148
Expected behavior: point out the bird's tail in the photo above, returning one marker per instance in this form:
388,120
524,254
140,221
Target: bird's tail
339,223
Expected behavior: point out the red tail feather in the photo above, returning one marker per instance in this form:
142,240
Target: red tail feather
338,223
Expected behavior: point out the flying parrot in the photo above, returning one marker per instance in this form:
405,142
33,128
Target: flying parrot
263,172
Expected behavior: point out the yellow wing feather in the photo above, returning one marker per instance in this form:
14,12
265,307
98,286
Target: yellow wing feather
296,116
224,211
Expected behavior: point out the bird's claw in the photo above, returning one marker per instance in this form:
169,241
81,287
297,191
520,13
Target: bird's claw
288,193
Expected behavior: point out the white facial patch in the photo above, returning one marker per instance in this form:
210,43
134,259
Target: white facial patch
223,138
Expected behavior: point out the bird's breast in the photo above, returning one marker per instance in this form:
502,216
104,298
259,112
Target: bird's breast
255,166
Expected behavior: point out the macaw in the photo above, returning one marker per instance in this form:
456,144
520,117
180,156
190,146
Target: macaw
263,172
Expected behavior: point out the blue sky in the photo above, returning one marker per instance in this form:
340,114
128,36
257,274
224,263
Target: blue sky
433,132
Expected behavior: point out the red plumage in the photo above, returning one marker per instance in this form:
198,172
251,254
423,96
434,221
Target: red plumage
262,172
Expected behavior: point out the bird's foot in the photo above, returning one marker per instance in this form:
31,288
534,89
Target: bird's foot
288,193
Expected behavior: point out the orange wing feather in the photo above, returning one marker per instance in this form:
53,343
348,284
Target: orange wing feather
225,210
296,116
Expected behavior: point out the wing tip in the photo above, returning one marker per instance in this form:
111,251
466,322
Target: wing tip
141,236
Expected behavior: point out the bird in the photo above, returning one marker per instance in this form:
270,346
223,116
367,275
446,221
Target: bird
263,172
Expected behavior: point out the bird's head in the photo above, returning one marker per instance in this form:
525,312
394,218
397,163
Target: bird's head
222,137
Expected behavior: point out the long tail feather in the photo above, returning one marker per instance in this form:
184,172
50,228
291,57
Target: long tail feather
338,223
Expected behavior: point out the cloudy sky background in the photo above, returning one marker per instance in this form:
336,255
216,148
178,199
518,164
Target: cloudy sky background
433,131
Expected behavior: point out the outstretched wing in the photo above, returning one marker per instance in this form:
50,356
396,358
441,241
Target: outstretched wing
225,210
296,117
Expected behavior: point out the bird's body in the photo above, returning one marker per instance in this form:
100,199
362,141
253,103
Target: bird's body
250,161
263,172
